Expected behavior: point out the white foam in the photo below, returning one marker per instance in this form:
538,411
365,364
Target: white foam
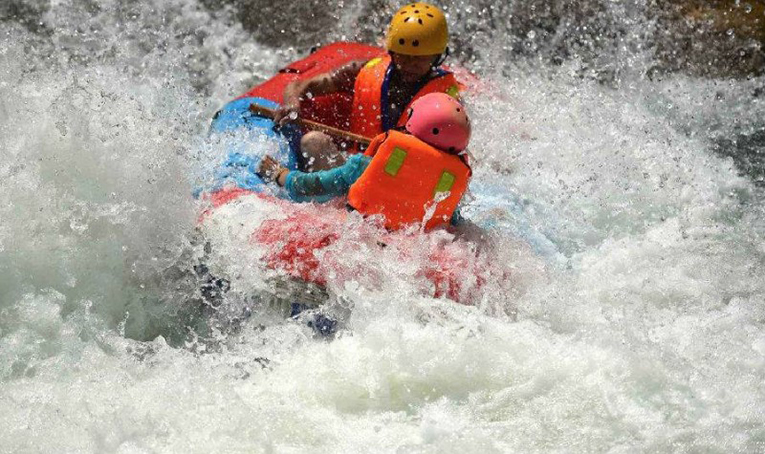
631,318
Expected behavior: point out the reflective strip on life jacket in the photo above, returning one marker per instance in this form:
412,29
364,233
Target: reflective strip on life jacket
369,113
405,179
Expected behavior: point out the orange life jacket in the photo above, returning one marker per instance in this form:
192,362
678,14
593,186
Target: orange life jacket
369,116
408,181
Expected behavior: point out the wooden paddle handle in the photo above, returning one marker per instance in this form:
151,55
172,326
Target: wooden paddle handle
269,113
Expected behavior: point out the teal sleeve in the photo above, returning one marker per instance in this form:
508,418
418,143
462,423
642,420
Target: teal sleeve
326,185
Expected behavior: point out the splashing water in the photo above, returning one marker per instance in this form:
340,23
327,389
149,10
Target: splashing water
624,209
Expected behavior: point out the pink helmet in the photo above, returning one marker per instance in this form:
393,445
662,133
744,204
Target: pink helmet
439,120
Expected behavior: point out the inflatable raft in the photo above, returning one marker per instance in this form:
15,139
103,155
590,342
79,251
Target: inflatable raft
323,244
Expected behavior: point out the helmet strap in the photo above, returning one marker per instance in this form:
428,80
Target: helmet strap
441,58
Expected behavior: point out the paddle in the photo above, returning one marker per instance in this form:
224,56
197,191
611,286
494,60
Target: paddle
269,113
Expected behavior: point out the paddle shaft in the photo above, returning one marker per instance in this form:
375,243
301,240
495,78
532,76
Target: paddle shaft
269,113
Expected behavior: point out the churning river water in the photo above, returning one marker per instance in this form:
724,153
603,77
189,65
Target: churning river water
625,204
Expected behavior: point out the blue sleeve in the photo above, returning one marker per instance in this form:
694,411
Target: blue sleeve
325,185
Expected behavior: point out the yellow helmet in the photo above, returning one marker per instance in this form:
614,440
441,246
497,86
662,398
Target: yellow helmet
418,29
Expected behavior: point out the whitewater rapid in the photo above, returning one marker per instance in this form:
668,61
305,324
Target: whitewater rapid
632,321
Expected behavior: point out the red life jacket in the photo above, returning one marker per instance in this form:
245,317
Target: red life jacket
370,94
409,181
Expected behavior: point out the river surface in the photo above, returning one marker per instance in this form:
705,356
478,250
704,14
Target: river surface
625,202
